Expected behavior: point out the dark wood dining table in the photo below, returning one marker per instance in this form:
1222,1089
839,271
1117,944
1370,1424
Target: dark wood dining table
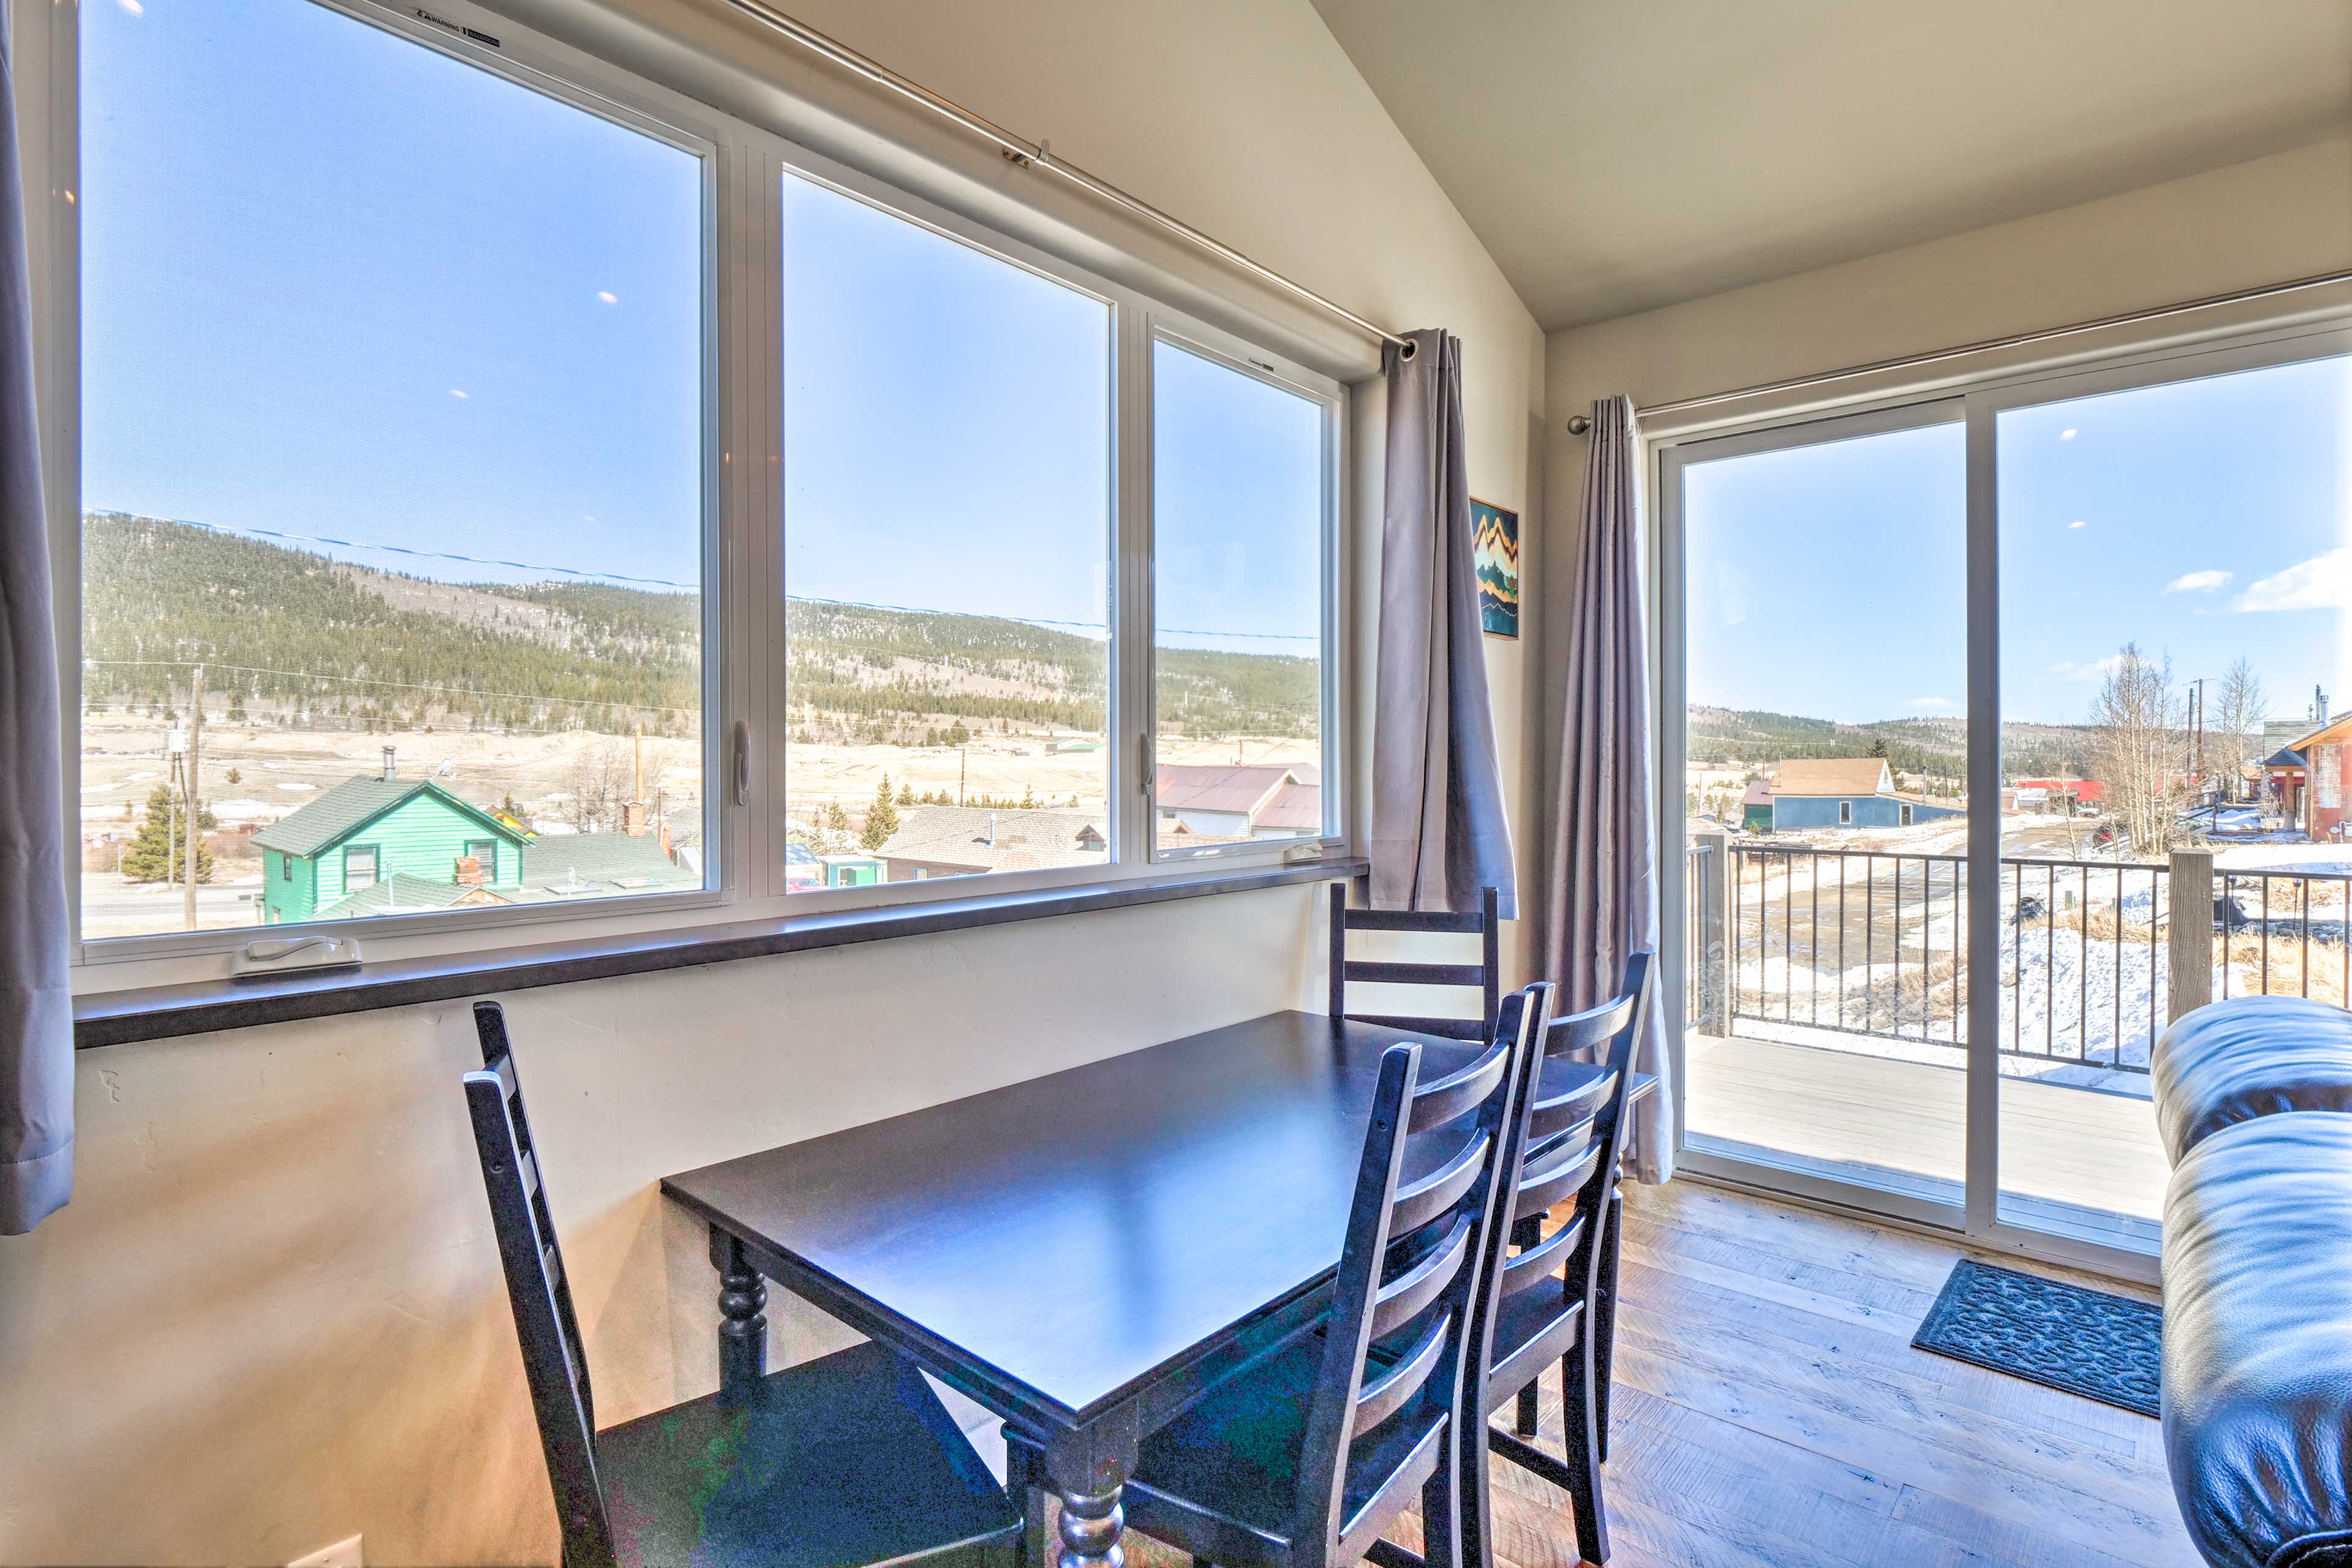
1080,1253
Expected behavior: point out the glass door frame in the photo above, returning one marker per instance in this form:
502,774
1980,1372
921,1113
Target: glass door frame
1671,564
1978,403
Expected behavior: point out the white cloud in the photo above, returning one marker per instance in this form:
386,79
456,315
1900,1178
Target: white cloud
453,393
606,295
2203,582
2066,669
2077,523
1929,703
2066,435
2322,583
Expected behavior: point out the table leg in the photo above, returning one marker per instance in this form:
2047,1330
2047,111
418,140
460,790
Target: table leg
1090,1529
743,1324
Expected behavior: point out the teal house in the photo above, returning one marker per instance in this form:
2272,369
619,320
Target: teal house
381,834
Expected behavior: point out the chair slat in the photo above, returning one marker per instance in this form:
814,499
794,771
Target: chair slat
1549,1116
1380,971
1460,1091
1580,1032
1417,1286
1444,1029
1386,1395
1413,920
1539,1192
1535,1263
1416,1205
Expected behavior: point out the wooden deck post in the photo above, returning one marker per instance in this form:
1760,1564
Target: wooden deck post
1713,958
2190,950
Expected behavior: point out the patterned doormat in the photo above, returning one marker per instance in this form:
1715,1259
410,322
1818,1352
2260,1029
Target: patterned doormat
2089,1342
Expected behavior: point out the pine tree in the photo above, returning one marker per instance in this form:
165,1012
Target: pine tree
881,818
159,853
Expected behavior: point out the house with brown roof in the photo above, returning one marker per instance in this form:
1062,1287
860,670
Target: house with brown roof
1261,800
971,840
1845,792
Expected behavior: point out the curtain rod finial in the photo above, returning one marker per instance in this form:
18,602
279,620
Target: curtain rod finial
1579,424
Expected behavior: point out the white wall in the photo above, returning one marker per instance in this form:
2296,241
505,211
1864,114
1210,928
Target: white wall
271,1316
2263,222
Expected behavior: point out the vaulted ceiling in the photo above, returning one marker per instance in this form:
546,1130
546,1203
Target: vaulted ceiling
1616,155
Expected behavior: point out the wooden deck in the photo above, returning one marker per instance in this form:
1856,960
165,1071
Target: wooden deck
2081,1161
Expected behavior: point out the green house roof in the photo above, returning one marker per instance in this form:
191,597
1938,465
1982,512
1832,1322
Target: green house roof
562,859
351,806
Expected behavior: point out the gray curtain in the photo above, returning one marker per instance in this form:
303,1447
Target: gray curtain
35,1010
1439,833
1603,892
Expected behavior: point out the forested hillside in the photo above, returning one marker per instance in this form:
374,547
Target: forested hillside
1937,746
299,636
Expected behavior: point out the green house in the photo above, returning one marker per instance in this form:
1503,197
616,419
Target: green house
364,832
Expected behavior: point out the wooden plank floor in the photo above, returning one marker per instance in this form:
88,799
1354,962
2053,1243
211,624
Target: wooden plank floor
1771,1414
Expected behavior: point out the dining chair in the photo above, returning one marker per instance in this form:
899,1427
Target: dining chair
1485,975
845,1460
1303,1456
1574,1145
1566,1137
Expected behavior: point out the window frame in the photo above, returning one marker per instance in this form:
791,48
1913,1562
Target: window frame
1243,358
533,64
744,710
375,853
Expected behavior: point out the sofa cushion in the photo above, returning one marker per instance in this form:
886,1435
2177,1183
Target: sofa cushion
2249,1056
2257,1384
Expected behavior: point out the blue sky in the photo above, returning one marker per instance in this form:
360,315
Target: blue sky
2211,520
346,287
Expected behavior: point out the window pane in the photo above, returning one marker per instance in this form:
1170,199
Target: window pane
947,555
392,438
1238,589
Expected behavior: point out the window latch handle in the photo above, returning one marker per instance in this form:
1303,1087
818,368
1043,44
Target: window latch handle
742,768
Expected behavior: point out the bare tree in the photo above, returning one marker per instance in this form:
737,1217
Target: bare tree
2233,738
599,782
2138,717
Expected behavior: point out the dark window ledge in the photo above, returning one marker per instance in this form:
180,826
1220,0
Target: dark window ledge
118,1018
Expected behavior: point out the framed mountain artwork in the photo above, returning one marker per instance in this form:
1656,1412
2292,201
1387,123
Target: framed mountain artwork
1495,552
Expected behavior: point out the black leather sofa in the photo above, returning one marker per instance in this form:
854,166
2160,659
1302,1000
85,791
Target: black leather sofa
2253,1098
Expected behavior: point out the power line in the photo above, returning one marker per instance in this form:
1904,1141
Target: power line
696,587
371,680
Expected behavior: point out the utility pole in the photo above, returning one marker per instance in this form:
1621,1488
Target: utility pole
963,756
195,744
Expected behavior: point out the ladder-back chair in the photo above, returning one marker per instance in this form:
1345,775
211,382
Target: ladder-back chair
1485,975
1301,1458
846,1460
1551,1300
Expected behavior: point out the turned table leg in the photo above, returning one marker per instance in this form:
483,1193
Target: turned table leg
1090,1530
743,1322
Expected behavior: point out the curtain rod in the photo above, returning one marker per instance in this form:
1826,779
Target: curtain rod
1039,156
1579,424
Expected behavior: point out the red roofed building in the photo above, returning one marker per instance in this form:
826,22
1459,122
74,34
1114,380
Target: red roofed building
1261,800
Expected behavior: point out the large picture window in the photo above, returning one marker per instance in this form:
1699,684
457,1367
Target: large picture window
508,489
392,477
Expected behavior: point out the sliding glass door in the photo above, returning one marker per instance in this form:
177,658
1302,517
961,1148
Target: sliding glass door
2174,564
1823,694
1999,728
